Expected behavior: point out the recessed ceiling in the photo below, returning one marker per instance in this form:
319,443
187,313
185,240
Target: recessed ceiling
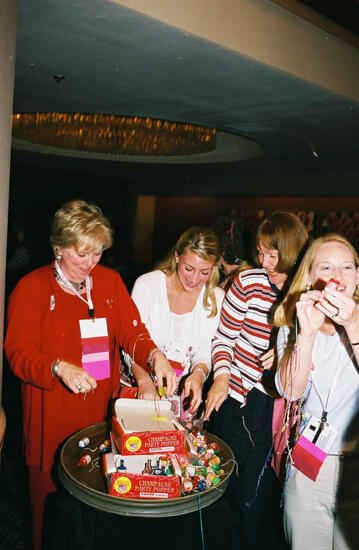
96,56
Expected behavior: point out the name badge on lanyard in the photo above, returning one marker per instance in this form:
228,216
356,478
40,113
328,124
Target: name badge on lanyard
176,355
317,438
94,334
95,347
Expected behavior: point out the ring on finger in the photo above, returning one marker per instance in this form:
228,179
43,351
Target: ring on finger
79,387
335,314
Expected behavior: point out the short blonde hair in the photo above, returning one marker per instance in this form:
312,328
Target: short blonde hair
285,313
285,232
203,242
76,223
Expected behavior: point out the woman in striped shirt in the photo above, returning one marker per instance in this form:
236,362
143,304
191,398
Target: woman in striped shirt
243,408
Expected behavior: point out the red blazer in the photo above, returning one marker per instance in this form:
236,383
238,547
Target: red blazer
39,333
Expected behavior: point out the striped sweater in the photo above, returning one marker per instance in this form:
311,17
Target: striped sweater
244,331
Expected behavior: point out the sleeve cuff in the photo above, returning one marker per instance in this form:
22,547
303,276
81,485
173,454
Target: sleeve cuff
222,370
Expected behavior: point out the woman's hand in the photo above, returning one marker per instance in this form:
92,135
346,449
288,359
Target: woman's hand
268,359
310,316
217,394
194,386
147,390
164,372
75,378
339,307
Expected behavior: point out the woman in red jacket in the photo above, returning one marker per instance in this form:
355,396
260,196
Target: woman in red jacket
66,322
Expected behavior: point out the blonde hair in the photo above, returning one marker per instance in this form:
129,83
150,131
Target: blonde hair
285,232
203,242
78,222
285,313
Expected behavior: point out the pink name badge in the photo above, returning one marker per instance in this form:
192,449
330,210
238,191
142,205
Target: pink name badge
95,347
308,458
177,367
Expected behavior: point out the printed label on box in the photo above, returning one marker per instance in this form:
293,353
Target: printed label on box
144,486
146,427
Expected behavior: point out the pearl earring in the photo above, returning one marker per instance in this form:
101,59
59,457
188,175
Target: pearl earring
58,257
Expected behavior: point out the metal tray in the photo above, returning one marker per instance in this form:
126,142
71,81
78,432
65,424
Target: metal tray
88,484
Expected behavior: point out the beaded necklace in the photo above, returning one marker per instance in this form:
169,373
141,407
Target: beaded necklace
78,286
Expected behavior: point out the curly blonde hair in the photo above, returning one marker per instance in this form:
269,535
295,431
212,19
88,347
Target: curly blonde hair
203,242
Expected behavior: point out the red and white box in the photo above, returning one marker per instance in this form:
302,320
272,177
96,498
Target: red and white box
144,486
146,427
131,483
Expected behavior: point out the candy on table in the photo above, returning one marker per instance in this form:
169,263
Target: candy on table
214,460
84,442
190,470
103,448
187,486
84,460
208,454
202,485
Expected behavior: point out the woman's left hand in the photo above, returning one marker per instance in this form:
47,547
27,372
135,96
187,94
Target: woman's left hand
193,386
342,309
217,394
268,359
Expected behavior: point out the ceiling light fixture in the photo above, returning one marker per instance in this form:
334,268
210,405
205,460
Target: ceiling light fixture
119,135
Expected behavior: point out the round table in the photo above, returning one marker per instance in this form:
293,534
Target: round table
88,484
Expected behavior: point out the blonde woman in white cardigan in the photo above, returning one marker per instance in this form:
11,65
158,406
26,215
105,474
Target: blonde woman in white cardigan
180,303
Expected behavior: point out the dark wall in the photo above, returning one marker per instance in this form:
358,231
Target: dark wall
36,192
186,195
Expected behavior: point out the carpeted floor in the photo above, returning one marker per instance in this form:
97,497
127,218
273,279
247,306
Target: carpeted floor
14,494
14,509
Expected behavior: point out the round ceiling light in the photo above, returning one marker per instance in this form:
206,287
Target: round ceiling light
120,135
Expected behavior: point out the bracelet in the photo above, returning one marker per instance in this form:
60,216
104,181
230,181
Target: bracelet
55,367
354,343
202,371
221,370
140,337
150,359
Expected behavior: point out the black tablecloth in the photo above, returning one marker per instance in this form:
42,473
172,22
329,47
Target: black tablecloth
72,525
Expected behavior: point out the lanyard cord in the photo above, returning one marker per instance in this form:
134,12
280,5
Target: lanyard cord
186,343
333,383
68,285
